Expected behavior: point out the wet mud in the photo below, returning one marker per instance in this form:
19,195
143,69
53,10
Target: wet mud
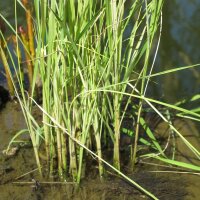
19,177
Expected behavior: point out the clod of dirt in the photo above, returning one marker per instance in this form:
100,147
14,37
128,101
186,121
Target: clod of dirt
11,151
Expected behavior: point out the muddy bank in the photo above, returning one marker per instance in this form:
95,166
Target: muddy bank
31,186
112,188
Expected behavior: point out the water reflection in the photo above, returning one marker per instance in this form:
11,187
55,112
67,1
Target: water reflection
179,47
7,9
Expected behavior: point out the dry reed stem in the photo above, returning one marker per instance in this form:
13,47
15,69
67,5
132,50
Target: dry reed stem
27,55
7,70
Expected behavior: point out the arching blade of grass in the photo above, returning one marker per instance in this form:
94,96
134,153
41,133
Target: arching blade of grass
174,70
178,163
15,136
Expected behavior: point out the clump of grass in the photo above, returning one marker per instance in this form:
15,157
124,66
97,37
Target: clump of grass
84,53
87,67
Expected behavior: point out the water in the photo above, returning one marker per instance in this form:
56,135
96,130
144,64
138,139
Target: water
7,9
179,47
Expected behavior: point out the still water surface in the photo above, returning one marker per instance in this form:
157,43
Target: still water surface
179,47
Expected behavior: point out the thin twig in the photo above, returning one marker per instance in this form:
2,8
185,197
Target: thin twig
26,173
44,183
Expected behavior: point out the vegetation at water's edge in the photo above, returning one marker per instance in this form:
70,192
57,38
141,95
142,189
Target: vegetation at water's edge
92,59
